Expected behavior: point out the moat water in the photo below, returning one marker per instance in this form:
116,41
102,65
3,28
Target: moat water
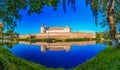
57,55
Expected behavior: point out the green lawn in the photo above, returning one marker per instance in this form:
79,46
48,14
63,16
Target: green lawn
108,59
11,62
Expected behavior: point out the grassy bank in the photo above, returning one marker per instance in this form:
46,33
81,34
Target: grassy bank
108,59
11,62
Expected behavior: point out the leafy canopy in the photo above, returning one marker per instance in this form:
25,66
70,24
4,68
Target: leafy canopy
102,6
9,9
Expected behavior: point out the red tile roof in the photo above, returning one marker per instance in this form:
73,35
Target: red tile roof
55,28
57,48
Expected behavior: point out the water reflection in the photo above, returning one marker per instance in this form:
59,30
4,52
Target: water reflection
8,43
55,55
57,46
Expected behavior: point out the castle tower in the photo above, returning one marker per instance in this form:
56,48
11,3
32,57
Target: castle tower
43,49
67,29
43,28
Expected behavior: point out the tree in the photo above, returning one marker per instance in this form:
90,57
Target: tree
9,11
109,9
107,34
1,28
11,33
99,35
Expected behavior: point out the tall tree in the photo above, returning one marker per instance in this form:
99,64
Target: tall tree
109,9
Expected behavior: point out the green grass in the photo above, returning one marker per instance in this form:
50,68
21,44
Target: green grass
11,62
108,59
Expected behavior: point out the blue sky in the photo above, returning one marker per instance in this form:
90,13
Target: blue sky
82,20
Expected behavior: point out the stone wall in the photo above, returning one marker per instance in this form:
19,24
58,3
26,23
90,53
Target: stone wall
60,35
24,36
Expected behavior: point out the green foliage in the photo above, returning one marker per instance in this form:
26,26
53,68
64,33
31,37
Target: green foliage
102,6
9,9
107,34
1,28
55,40
99,35
79,39
10,32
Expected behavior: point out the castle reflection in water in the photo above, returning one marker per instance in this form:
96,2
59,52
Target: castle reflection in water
57,46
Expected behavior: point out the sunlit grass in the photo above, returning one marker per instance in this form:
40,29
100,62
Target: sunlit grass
108,59
11,62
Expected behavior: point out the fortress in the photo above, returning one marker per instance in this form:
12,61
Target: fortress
58,33
55,29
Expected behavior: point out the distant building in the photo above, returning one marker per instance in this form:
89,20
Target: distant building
55,29
59,33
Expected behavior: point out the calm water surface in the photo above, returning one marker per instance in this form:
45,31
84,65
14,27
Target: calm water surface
57,55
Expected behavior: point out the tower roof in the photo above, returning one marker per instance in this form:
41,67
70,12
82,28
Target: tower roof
43,25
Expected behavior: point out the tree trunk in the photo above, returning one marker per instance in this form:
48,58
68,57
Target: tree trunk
112,25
